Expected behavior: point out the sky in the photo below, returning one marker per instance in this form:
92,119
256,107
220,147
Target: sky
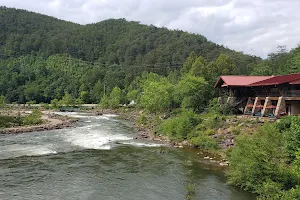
254,27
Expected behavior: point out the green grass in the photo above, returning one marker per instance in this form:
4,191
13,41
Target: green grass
9,121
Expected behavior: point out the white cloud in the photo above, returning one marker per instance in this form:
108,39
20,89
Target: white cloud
253,26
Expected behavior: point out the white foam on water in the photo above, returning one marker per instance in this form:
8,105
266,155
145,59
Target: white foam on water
110,115
107,116
88,121
140,144
94,139
103,117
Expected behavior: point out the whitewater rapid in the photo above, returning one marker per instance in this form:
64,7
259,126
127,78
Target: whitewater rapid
91,132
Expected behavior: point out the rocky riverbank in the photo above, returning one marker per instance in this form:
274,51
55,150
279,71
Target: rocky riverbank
50,122
132,115
225,135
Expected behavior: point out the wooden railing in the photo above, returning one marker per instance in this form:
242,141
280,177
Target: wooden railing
291,93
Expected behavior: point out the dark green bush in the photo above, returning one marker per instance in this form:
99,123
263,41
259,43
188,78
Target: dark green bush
8,121
178,127
203,141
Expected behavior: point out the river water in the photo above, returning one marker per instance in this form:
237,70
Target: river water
99,159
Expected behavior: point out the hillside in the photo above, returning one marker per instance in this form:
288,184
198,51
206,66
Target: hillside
114,41
42,58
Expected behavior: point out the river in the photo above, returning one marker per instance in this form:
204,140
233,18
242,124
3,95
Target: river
99,159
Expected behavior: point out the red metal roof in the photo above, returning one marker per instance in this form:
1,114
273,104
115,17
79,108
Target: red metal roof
248,81
295,82
224,81
277,80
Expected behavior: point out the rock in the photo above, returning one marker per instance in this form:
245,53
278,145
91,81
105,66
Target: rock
180,146
241,124
223,164
206,157
185,143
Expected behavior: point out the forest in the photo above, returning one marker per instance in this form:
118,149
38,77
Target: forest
59,56
115,62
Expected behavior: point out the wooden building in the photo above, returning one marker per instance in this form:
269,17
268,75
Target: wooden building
263,95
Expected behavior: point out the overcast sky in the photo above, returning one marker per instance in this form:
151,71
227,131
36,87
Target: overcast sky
253,26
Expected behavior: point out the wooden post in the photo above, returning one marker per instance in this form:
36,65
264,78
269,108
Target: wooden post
268,102
254,105
280,106
248,102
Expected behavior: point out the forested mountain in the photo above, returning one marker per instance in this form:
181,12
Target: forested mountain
43,58
111,41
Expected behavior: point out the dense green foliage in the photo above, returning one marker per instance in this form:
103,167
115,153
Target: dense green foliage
43,58
111,41
268,161
192,92
178,127
192,127
277,63
157,95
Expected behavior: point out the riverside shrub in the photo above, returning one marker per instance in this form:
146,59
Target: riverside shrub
203,141
34,118
257,159
261,163
8,121
178,127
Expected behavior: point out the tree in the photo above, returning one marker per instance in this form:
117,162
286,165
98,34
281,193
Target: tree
55,103
225,65
115,97
198,67
104,102
192,93
133,95
189,63
294,63
97,91
2,101
84,97
157,95
262,69
292,136
67,100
